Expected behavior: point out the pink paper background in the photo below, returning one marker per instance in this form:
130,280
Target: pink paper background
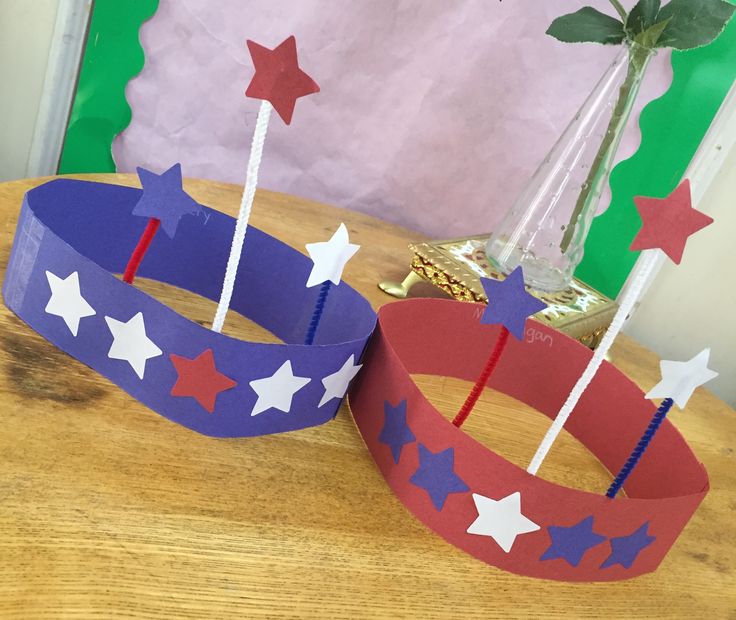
433,113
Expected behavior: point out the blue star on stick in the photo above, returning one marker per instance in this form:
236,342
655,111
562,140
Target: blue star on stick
164,198
509,304
437,476
395,432
571,543
625,549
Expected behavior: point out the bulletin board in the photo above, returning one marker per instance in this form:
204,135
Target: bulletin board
672,127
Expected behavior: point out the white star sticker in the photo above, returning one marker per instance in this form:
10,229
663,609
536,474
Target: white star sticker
501,519
329,257
336,384
679,379
66,300
131,344
277,390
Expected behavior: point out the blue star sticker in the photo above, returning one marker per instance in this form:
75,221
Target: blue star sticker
164,198
508,302
571,543
395,431
436,475
625,549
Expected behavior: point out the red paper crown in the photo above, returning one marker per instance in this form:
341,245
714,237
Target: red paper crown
490,507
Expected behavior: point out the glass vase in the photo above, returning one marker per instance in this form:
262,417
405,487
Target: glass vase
545,229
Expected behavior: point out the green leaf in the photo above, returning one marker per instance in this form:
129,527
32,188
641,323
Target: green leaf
693,23
650,37
589,25
642,17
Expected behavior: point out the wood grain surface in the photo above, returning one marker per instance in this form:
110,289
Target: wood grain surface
109,510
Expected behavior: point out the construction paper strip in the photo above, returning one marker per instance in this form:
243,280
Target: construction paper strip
73,235
507,517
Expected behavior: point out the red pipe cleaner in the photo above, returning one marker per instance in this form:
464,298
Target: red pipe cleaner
140,250
480,383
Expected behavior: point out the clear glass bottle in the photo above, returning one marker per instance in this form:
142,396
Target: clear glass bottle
546,227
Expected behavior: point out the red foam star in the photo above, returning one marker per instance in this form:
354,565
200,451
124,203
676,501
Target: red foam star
200,379
668,222
278,78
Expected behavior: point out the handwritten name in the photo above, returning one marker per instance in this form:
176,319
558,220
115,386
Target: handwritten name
531,335
534,335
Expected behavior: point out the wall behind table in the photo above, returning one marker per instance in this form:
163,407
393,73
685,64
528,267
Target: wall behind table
433,113
691,306
26,30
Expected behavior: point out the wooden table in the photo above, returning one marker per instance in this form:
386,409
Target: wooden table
109,510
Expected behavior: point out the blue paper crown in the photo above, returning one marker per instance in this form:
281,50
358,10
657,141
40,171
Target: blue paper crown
72,236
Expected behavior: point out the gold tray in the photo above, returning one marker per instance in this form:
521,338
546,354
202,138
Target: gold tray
456,266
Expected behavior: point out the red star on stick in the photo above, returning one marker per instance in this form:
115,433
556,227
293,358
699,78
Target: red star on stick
668,222
278,78
200,379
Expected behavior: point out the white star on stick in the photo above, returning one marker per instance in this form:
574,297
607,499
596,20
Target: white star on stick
329,257
337,383
66,300
277,390
679,379
501,519
131,344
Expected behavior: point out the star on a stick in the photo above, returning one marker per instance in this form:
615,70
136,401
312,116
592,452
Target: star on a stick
164,198
337,383
66,300
501,519
509,304
277,391
667,223
131,344
199,379
278,78
680,379
330,257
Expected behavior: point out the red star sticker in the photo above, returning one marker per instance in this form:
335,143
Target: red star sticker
199,379
278,78
668,222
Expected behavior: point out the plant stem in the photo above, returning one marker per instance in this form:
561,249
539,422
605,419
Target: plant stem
619,9
591,187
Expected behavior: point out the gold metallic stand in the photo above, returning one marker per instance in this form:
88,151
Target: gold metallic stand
456,266
401,289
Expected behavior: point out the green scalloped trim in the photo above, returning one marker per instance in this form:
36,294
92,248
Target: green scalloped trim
672,128
112,57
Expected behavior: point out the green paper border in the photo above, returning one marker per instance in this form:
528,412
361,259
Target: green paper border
672,128
112,56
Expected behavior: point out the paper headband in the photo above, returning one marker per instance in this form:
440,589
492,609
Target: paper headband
73,235
484,504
